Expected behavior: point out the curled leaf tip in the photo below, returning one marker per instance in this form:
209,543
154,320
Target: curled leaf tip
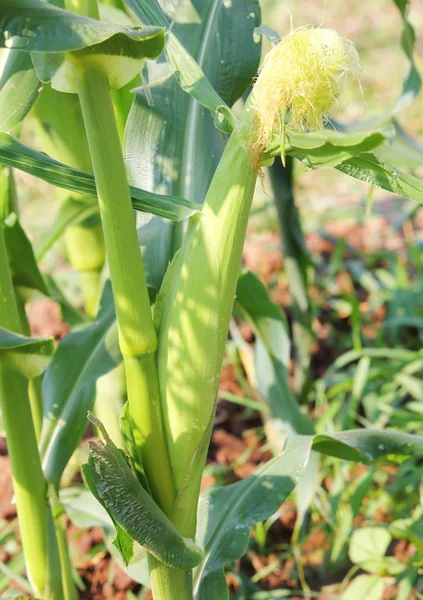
302,77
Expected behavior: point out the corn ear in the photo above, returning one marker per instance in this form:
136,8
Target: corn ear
195,313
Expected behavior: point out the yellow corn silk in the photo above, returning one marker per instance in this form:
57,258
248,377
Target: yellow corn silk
302,76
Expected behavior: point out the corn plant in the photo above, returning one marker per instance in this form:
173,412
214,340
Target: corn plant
173,281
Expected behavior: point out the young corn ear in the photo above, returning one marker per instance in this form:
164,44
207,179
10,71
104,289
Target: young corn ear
302,75
195,309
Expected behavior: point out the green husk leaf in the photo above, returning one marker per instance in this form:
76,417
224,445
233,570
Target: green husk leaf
17,155
29,355
133,509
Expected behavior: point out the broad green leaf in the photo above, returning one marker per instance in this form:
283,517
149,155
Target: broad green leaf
133,509
69,386
403,151
23,265
368,546
272,354
218,44
412,80
368,167
17,155
19,88
365,586
329,148
36,26
227,514
122,541
29,355
368,445
166,122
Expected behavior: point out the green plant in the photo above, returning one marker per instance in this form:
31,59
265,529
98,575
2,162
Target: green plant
172,354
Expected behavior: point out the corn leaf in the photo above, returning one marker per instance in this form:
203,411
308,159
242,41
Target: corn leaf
404,151
227,514
368,445
36,26
412,80
19,88
368,167
193,50
69,386
122,541
329,148
298,266
23,265
17,155
29,355
272,355
168,131
133,509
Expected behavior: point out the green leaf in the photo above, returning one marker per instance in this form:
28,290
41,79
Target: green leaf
365,586
227,514
329,148
272,354
166,122
298,266
368,546
368,167
412,81
23,265
71,212
36,26
122,541
69,386
29,355
368,445
19,88
214,60
17,155
403,151
133,509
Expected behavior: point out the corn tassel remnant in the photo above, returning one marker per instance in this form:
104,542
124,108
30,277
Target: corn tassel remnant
302,76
